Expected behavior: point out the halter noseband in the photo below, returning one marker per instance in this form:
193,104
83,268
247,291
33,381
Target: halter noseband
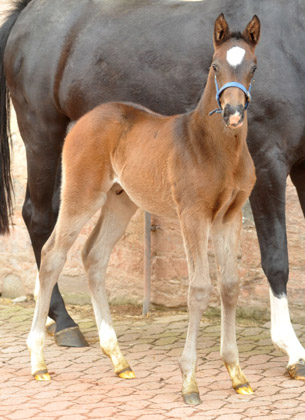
226,86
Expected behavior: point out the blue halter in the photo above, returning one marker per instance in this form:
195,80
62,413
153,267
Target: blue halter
226,86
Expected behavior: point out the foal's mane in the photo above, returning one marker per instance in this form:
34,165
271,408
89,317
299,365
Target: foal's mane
238,36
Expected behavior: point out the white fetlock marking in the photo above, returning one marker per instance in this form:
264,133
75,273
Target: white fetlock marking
108,338
110,346
35,344
35,341
282,332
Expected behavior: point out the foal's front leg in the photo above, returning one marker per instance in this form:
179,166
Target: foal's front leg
195,233
226,239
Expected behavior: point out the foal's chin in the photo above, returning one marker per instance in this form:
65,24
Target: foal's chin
233,122
234,126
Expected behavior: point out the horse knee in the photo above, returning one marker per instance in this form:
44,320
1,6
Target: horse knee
199,296
230,290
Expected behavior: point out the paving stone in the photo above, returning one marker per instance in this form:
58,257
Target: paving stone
23,414
84,387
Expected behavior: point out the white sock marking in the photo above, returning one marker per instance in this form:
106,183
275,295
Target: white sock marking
108,338
282,332
235,56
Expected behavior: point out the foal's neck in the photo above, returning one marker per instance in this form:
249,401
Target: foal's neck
211,128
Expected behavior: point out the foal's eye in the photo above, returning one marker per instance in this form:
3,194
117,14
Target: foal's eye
253,69
215,68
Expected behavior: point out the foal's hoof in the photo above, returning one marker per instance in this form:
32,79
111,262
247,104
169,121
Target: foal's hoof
297,370
192,398
244,389
126,373
42,375
70,337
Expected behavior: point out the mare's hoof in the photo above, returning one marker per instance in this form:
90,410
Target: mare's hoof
297,370
244,389
126,373
70,337
192,398
42,375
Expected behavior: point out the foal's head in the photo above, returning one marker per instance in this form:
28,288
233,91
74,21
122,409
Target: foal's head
234,61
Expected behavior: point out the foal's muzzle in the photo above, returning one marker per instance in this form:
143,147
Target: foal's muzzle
234,120
233,115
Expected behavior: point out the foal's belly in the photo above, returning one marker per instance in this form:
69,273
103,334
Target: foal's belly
149,197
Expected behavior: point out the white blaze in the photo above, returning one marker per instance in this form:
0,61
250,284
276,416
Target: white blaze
235,56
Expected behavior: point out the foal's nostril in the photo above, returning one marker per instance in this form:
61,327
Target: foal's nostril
231,110
233,115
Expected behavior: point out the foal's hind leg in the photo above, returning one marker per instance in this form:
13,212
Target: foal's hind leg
225,238
112,223
71,220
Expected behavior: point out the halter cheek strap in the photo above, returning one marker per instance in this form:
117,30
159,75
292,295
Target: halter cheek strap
226,86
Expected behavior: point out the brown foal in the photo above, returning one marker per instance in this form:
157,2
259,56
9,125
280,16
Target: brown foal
194,166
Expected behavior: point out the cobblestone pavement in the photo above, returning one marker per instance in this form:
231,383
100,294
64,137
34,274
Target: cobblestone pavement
84,386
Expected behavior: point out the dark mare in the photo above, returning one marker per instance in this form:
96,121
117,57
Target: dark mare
61,58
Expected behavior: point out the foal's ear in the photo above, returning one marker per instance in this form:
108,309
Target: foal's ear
252,31
221,30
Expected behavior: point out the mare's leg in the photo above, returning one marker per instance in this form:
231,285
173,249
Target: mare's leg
40,211
226,239
195,233
268,206
297,174
71,219
112,223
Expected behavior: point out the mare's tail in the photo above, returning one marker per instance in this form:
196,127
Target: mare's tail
6,186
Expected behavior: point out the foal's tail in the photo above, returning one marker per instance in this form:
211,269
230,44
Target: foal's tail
6,185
